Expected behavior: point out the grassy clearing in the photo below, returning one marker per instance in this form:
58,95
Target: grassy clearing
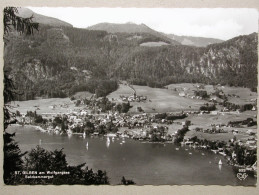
51,105
154,44
122,90
158,100
205,121
44,105
83,94
245,94
216,137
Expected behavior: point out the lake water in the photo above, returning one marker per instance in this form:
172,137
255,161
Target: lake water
144,163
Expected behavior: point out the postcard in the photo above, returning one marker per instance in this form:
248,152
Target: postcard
130,96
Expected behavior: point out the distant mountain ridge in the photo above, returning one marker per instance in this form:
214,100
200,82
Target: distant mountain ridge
194,41
41,19
130,28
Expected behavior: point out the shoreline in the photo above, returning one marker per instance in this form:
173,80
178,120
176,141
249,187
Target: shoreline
39,128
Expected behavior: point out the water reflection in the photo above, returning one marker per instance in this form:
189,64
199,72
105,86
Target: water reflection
108,142
220,167
86,145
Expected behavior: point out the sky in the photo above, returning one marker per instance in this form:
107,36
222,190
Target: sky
214,23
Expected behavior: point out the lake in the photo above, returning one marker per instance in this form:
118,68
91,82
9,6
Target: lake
144,163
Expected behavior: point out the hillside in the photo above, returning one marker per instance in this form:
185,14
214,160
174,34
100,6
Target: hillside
41,19
58,61
194,41
233,62
130,28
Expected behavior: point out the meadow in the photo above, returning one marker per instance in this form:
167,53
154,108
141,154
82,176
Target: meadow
158,100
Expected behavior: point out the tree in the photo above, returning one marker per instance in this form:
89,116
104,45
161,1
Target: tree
12,158
126,181
40,160
20,24
12,153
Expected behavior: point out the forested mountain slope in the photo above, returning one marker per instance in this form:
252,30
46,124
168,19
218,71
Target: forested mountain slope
59,61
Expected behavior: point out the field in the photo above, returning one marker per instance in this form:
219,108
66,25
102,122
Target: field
158,100
205,121
217,137
245,95
50,106
154,44
237,95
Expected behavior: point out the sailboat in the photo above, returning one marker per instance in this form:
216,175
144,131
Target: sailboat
108,142
86,145
84,135
220,162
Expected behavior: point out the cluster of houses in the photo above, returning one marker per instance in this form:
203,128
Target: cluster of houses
211,131
184,94
118,119
133,98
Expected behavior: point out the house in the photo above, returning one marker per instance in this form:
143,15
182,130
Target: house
182,94
250,142
189,143
83,113
214,112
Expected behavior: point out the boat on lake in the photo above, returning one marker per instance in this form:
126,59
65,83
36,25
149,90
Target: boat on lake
220,162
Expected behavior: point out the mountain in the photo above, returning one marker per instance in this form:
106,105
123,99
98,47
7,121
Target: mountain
142,28
130,28
233,62
41,19
58,61
194,41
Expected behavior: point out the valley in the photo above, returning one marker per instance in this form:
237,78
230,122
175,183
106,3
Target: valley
116,88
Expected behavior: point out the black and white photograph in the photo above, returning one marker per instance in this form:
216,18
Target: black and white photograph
130,96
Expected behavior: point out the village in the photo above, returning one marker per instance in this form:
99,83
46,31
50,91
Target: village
102,117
